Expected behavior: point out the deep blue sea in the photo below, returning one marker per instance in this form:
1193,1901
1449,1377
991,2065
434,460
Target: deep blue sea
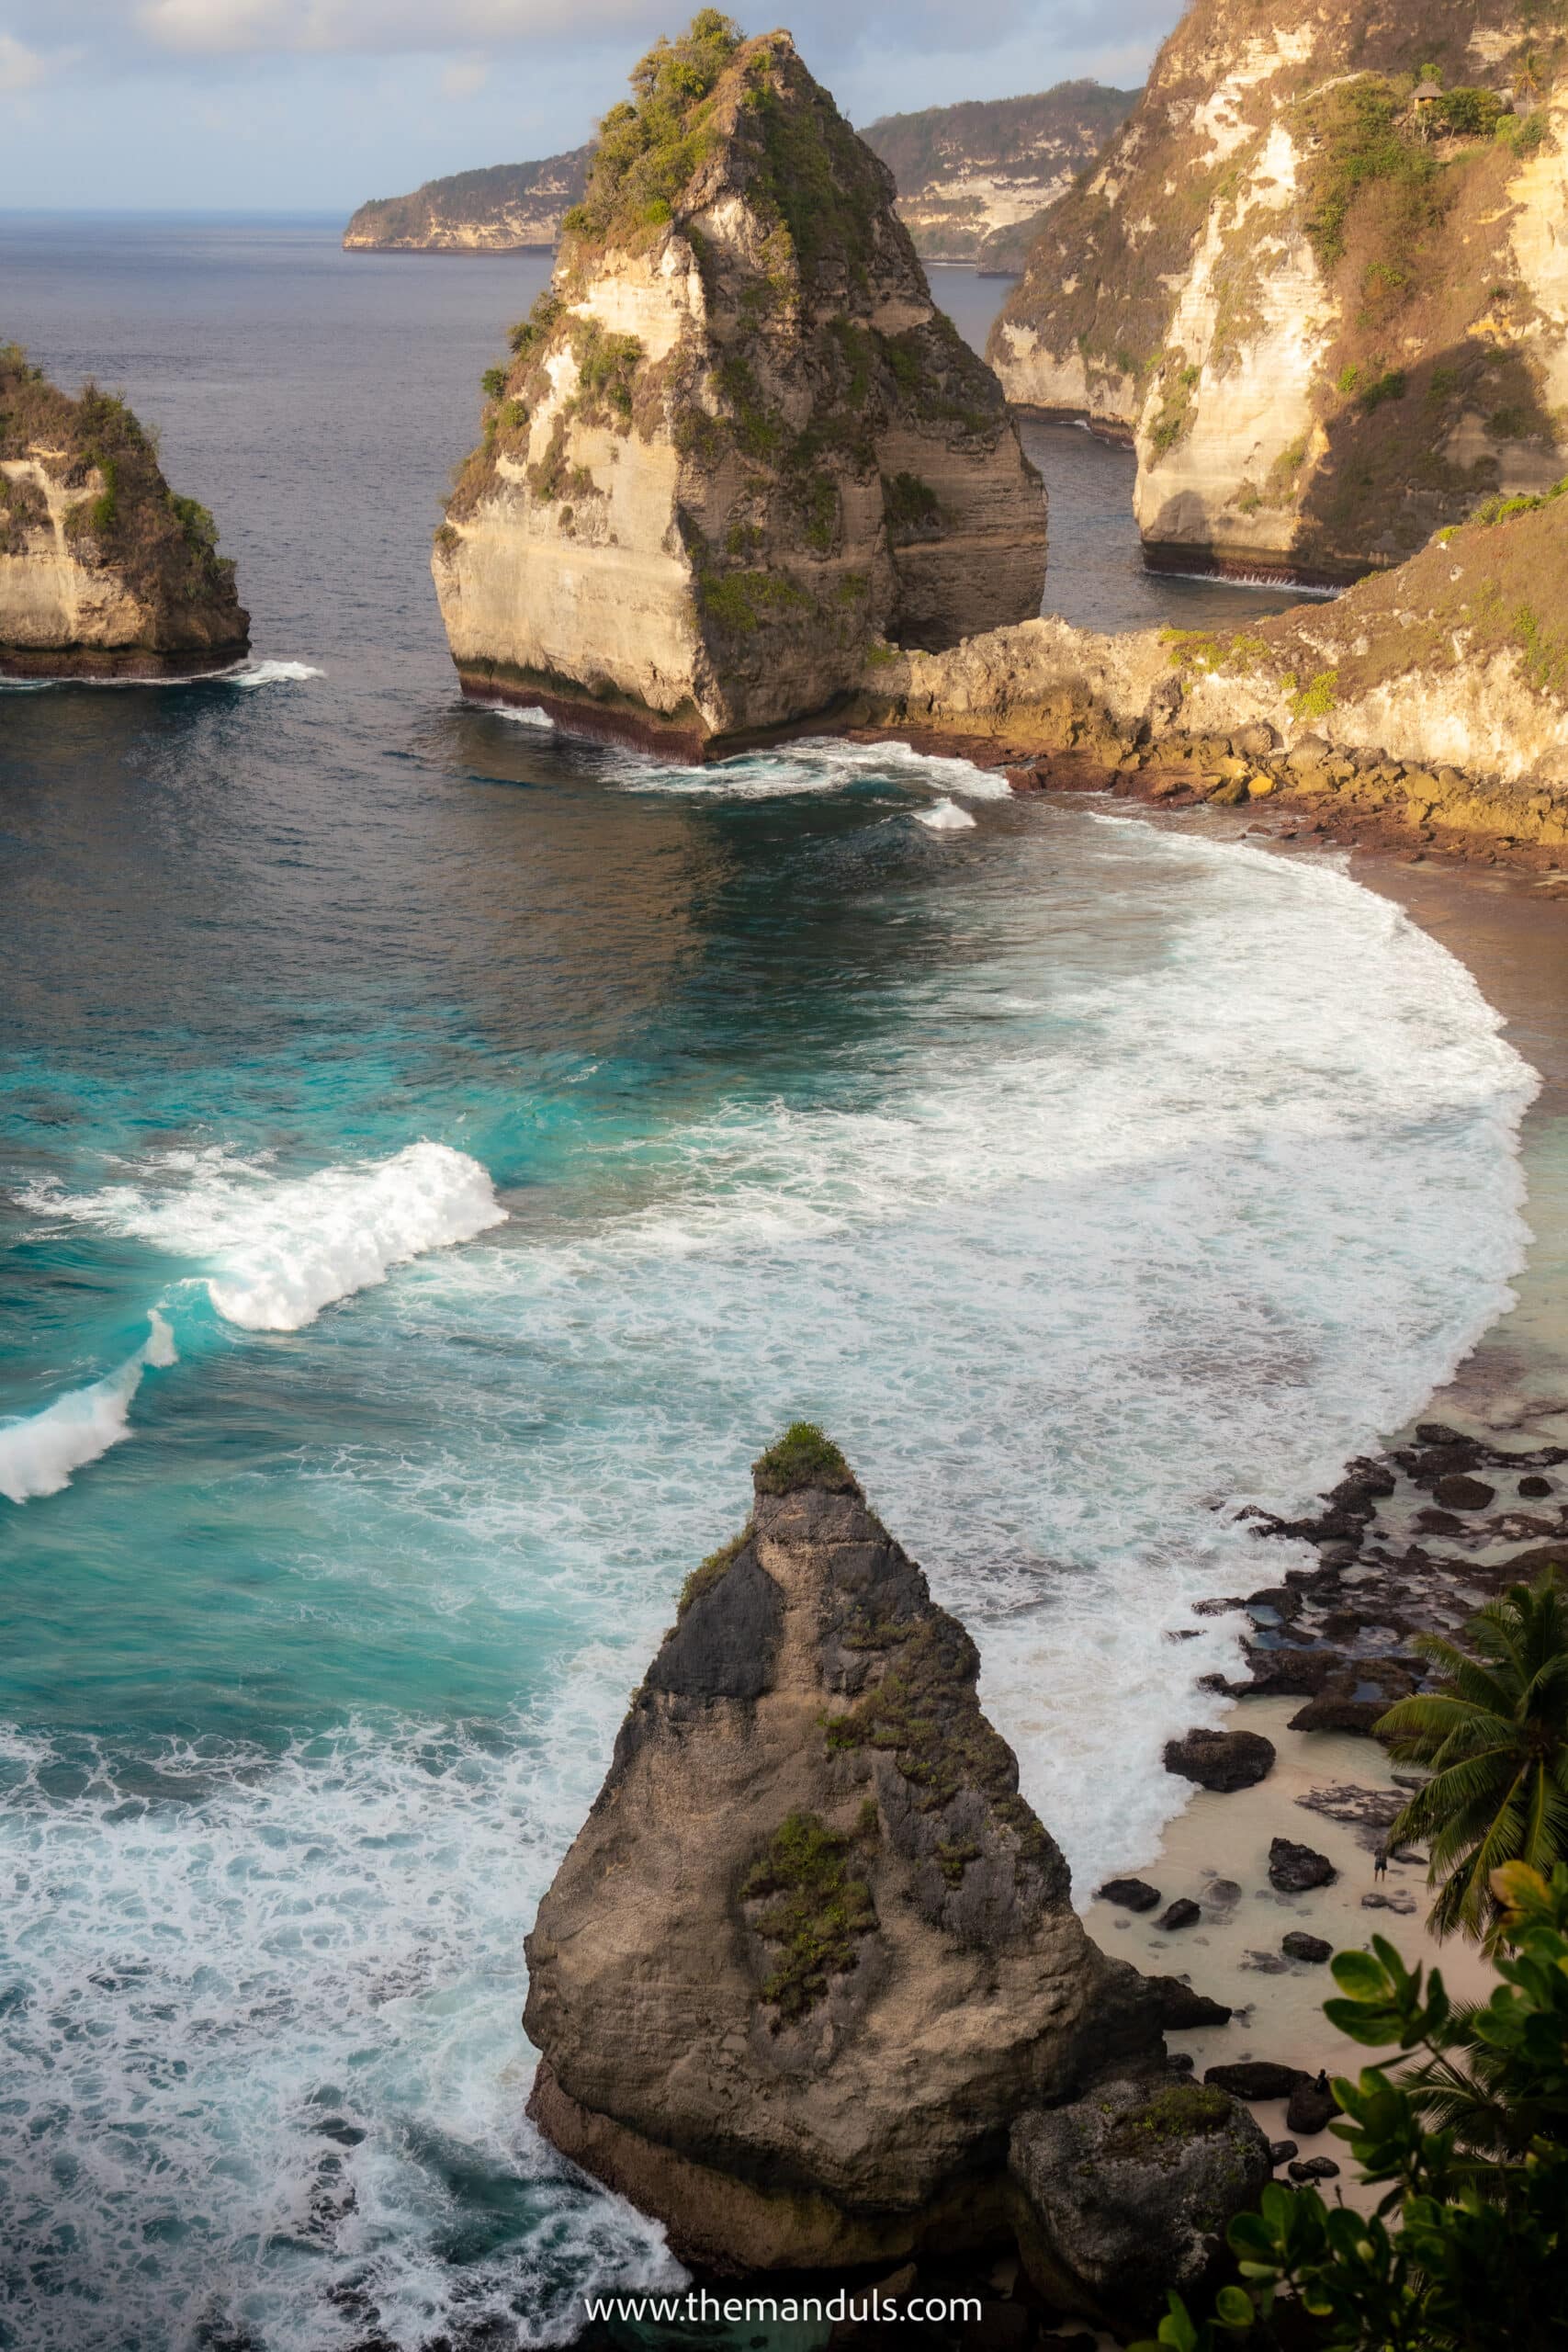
435,1157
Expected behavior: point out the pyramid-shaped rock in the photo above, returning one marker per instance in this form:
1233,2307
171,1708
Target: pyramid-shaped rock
736,443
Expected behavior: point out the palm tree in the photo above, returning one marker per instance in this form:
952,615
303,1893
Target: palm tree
1494,1734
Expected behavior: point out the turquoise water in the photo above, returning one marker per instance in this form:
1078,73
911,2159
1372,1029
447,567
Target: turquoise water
437,1157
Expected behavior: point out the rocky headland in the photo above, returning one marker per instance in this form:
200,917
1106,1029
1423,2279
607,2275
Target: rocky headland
502,209
1318,278
974,179
104,572
1427,705
809,1985
736,445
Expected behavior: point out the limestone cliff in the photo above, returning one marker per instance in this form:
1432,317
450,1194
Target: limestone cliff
812,1954
973,178
1434,697
1331,311
103,571
506,208
736,441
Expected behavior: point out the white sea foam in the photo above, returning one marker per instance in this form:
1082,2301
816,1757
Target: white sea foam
271,674
39,1453
270,2023
947,817
813,764
520,714
281,1249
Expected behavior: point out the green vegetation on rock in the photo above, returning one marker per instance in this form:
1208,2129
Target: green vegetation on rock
650,146
817,1910
804,1456
709,1572
164,547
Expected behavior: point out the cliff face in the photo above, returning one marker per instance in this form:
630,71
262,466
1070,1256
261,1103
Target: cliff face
103,571
736,441
973,178
812,1954
1434,697
509,208
1330,315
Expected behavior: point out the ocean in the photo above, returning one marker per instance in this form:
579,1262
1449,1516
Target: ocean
437,1156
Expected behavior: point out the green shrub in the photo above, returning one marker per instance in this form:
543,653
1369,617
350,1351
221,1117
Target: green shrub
817,1910
1467,2250
802,1457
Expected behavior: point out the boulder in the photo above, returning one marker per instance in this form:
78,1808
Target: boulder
1126,2194
1281,2151
1180,2009
1312,2108
1225,1760
1255,2079
737,449
1461,1492
1295,1870
1314,2168
1132,1894
1305,1947
811,1952
1182,1913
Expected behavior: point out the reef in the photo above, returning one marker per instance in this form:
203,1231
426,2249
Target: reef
736,444
812,1965
104,572
1318,278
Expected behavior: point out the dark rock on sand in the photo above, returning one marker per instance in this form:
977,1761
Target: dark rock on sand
1533,1485
1314,2168
1127,2193
1132,1894
1461,1493
1255,2079
1281,2151
1182,1913
1222,1760
1181,2010
1312,2107
1295,1870
1302,1947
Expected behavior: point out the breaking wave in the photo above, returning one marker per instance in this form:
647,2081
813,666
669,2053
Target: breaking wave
39,1454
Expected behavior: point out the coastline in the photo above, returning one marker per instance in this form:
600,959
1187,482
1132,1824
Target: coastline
1332,1789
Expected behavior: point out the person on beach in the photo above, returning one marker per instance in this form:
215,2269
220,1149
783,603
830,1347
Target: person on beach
1380,1862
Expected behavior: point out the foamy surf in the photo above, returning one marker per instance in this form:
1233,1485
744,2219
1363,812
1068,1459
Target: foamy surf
239,674
947,817
284,1248
40,1454
812,766
271,674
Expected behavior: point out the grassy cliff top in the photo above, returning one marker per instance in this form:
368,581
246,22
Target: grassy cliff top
1495,586
165,547
713,113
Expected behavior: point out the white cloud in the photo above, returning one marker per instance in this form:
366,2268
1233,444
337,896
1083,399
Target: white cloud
20,68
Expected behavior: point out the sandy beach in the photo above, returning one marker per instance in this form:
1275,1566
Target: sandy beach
1332,1789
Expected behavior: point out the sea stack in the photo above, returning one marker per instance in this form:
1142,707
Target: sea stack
813,1958
1318,278
736,443
104,572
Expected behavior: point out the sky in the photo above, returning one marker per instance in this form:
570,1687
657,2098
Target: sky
316,105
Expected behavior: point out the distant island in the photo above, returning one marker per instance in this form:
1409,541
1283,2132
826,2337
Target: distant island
973,180
506,208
